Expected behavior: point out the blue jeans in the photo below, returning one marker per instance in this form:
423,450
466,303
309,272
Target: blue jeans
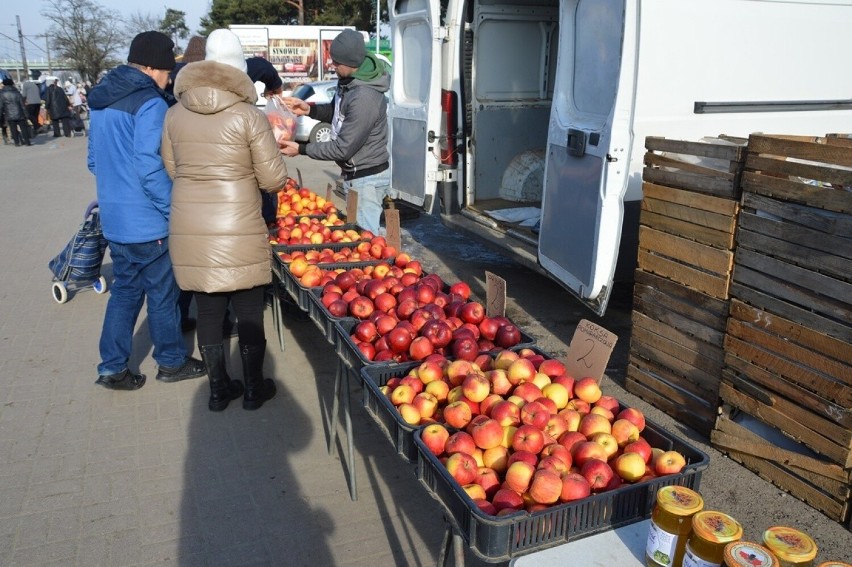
371,192
141,271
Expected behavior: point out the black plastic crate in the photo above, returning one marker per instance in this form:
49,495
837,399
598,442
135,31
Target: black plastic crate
501,538
383,412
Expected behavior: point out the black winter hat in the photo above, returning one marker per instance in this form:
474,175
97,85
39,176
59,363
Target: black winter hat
348,49
8,82
259,69
152,49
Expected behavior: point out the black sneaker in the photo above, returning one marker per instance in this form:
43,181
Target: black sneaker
191,368
124,380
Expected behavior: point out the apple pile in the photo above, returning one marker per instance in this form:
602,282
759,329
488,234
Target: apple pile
303,202
410,317
518,433
292,230
369,249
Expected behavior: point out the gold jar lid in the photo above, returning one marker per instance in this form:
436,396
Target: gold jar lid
790,544
834,564
748,554
679,501
716,527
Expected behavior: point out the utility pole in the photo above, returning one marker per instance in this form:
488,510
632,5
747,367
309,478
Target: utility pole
378,21
47,48
23,52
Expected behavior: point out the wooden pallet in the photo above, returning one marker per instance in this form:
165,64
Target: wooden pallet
713,168
822,484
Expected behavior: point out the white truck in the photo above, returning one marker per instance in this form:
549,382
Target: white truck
501,104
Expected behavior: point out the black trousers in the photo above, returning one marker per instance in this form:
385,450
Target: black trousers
248,306
20,131
66,126
33,112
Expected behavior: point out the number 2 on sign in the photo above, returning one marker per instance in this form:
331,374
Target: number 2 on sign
584,359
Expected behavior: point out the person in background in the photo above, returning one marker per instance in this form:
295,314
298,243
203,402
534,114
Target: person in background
13,112
128,107
32,98
74,96
59,109
220,243
358,118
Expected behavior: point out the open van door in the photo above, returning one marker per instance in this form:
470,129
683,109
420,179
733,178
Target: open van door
415,107
588,146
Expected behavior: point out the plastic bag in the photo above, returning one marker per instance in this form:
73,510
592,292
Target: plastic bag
283,121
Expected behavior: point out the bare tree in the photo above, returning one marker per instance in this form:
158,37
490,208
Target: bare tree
85,33
139,22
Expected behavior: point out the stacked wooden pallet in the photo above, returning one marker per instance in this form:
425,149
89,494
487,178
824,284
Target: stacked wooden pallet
686,242
788,347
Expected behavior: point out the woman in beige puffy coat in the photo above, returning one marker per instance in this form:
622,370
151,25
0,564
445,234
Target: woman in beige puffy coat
220,151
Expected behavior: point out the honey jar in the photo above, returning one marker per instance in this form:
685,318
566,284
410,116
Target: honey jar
671,524
748,554
711,532
792,547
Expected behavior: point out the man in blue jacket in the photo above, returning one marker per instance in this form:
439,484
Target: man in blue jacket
134,195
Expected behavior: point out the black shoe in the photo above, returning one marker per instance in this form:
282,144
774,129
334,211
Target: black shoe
188,324
191,368
124,380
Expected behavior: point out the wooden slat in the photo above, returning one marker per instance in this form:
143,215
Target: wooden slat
696,381
742,438
661,312
803,416
686,251
820,220
703,149
643,382
827,447
714,212
793,331
702,234
644,341
763,381
696,279
802,245
714,311
752,296
692,181
781,286
802,375
822,173
785,478
825,198
672,162
799,149
704,354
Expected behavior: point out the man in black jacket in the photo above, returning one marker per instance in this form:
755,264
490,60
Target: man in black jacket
59,108
12,110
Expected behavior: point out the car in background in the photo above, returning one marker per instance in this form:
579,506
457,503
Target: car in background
307,128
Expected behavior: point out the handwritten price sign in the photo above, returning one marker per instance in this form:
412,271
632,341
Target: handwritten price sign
590,350
495,295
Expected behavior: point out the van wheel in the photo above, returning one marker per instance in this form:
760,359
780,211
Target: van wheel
321,133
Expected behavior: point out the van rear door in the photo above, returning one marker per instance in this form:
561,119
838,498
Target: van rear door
415,110
587,149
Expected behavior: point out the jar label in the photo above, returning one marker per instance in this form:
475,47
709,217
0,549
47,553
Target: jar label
661,545
692,560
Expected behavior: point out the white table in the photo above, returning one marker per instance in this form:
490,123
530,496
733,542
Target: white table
623,547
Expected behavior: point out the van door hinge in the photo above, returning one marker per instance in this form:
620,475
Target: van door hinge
441,175
439,32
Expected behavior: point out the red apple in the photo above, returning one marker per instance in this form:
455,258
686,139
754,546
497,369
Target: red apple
587,451
597,472
457,414
472,312
609,403
462,289
462,467
592,423
487,478
587,389
519,476
420,348
670,462
487,434
460,442
506,413
435,436
507,499
546,486
574,487
507,336
634,415
535,414
464,348
640,446
528,438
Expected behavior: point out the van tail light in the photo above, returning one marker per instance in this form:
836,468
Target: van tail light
449,156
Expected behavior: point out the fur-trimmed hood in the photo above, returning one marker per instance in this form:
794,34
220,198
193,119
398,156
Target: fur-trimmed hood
208,87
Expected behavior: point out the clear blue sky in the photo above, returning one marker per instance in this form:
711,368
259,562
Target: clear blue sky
34,24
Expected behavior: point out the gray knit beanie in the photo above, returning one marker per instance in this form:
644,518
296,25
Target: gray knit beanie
348,49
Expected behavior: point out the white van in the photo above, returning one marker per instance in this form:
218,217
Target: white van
507,104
